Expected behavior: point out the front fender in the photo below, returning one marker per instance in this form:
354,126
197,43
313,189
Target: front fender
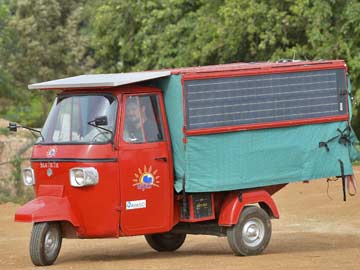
46,208
237,200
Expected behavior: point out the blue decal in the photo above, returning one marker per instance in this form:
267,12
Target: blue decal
146,178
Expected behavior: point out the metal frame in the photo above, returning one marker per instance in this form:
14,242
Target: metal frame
262,70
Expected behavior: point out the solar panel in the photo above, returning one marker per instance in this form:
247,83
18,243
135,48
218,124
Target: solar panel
265,98
100,80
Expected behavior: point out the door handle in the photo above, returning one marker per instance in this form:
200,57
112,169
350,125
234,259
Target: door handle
164,159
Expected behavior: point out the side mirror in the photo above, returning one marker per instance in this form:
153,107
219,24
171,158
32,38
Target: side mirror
101,121
12,127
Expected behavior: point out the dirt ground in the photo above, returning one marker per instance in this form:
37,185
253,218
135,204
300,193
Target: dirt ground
314,232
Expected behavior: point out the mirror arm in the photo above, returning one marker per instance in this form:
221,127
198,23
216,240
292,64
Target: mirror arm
14,125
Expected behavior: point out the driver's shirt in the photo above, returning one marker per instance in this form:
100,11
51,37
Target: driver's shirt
135,133
151,131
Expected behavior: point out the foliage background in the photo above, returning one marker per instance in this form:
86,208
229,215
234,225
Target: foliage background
48,39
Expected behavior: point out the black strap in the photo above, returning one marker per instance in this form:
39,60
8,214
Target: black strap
324,144
344,138
343,179
184,199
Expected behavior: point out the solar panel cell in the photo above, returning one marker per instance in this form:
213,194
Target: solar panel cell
241,100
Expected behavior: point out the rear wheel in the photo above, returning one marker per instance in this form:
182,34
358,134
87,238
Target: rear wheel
252,233
165,241
45,243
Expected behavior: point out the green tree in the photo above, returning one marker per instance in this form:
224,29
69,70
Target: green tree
4,77
47,39
140,35
45,43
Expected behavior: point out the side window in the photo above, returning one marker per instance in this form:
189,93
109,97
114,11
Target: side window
143,119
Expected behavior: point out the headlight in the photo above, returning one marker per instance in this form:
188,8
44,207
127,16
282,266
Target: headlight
80,177
28,176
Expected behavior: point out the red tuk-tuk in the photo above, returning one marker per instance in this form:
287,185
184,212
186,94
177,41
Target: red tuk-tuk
183,151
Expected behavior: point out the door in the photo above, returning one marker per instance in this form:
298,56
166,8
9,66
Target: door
146,181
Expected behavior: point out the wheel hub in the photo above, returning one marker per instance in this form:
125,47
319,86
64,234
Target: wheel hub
51,241
253,232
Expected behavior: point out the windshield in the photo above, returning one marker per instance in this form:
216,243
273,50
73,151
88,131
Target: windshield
68,120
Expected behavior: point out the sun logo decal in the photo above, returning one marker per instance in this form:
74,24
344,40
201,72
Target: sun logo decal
146,178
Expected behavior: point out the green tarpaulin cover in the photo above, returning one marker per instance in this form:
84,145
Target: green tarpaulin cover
254,158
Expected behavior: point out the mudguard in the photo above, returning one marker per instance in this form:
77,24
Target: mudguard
237,200
46,208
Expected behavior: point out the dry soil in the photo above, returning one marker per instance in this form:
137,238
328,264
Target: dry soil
313,232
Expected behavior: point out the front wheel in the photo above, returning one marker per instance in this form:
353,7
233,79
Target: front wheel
165,241
45,243
252,233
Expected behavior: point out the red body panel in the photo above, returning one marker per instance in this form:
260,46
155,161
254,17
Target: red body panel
74,151
222,71
235,201
256,68
266,125
157,215
47,208
95,208
136,159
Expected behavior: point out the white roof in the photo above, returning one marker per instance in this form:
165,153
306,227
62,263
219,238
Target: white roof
100,80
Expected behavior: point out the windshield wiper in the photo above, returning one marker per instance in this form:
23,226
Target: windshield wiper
100,121
93,125
14,127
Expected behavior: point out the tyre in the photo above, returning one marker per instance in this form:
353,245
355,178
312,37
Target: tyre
165,241
45,243
252,233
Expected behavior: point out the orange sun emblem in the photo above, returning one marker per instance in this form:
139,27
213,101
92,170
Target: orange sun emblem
146,179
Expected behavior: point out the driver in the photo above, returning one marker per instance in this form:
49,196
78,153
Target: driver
138,127
133,126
